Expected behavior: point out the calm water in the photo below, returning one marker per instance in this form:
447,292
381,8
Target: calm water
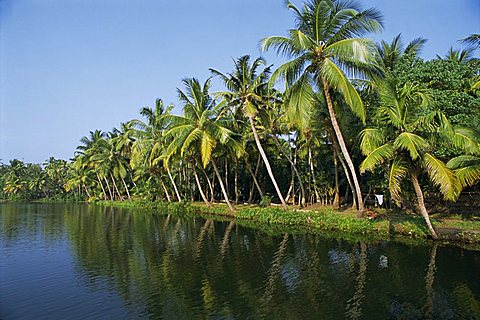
87,262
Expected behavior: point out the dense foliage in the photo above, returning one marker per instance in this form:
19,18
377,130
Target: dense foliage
402,119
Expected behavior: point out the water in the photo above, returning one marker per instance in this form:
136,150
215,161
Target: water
88,262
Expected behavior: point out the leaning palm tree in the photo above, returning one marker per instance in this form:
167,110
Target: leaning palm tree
405,140
323,44
198,131
248,92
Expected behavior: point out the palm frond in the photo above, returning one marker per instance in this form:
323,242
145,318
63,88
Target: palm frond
207,145
464,139
337,79
398,171
466,169
441,176
376,157
370,139
410,142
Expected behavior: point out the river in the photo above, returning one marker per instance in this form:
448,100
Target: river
79,261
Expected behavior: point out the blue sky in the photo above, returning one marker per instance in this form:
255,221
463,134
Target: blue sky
67,67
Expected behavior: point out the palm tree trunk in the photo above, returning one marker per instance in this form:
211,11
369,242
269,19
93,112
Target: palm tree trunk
222,186
421,204
254,176
108,187
86,190
200,187
210,186
227,185
103,189
165,190
294,167
236,181
174,185
336,200
265,160
312,172
116,188
343,147
255,183
126,189
347,175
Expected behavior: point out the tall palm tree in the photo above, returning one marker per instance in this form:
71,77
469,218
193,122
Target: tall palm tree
248,92
199,130
405,140
148,151
323,42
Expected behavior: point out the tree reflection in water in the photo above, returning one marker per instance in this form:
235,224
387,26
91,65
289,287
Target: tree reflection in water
190,268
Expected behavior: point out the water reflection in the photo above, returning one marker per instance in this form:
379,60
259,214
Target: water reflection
163,266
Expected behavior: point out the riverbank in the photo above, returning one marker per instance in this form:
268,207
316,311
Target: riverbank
378,224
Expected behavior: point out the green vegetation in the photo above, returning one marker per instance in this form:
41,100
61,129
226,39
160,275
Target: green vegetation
306,133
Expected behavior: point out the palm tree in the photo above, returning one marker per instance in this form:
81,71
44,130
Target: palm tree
467,167
458,55
199,130
248,92
148,151
473,40
405,139
323,42
390,53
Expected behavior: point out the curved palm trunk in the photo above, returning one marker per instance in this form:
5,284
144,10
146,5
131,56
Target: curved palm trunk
222,186
421,204
174,185
237,194
343,147
103,189
212,199
312,173
108,187
116,188
336,200
126,189
199,185
349,180
255,181
265,160
165,190
294,167
86,190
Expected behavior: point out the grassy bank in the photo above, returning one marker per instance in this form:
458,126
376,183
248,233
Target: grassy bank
344,224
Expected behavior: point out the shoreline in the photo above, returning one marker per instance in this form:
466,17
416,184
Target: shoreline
386,225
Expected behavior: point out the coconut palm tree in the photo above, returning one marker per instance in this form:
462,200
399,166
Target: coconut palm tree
324,43
148,150
405,139
390,53
248,92
473,40
199,130
458,55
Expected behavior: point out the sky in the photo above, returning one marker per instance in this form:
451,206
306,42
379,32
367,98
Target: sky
68,67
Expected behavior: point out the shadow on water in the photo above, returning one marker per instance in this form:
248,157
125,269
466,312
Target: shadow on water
165,266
